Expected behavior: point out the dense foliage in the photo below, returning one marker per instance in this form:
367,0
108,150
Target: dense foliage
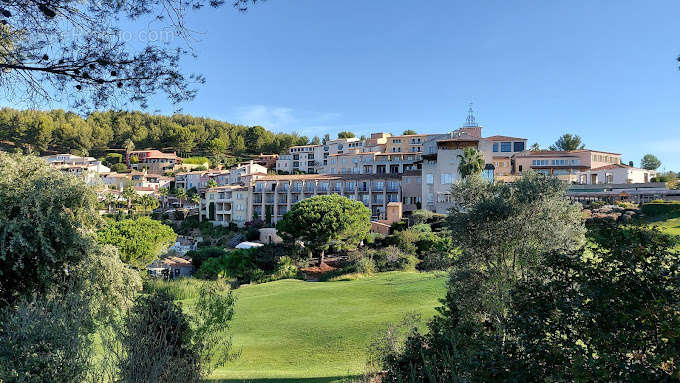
605,312
57,284
139,240
160,342
61,131
661,208
245,266
324,221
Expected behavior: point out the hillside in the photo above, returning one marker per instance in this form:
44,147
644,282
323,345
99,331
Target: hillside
61,131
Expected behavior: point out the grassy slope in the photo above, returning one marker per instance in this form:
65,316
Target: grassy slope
297,331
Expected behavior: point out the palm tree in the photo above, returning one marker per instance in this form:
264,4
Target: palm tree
164,195
196,199
109,199
471,162
130,196
129,146
181,194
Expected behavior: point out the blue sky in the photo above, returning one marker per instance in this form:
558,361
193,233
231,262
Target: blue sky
604,70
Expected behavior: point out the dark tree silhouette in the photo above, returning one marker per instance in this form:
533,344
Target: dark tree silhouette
77,52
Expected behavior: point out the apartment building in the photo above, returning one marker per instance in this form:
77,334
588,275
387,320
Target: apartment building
154,161
276,194
371,163
563,164
412,143
227,204
62,159
311,158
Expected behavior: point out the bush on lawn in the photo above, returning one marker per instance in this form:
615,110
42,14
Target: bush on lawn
391,258
202,254
180,289
656,208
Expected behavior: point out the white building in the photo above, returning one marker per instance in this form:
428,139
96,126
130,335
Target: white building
615,174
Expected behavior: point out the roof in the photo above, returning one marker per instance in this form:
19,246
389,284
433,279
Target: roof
302,177
248,245
504,138
613,166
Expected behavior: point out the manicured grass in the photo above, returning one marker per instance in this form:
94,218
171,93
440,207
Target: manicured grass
669,225
292,330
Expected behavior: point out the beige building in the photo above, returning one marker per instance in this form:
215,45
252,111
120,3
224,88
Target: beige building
223,205
412,143
563,164
275,194
502,150
371,163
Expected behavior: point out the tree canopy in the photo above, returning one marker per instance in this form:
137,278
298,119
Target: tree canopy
140,241
408,132
346,135
80,52
650,162
568,142
325,221
61,131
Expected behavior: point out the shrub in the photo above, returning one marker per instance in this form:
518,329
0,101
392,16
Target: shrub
404,240
365,266
655,208
196,160
373,238
391,258
201,255
399,226
422,228
285,269
252,234
421,216
119,168
596,204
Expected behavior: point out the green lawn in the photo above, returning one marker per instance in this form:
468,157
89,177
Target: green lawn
668,225
292,331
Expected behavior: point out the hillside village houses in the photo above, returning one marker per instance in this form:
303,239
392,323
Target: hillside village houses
414,170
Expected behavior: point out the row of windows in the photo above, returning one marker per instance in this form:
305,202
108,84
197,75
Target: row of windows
573,162
507,147
606,158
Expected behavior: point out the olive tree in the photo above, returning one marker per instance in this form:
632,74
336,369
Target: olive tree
324,221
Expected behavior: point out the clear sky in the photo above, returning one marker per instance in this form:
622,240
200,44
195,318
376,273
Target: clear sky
605,70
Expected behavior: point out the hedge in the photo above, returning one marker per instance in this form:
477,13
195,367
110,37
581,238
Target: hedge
661,208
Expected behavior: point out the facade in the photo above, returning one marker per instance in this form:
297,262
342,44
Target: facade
274,195
223,205
412,143
615,174
566,165
153,160
502,150
70,159
440,169
371,163
311,158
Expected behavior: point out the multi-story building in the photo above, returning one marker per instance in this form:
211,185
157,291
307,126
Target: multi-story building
227,204
154,161
371,163
563,164
440,169
412,143
70,159
275,194
502,150
312,158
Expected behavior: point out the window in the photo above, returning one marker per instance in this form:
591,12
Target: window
574,162
429,179
506,146
518,146
495,146
539,163
446,178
